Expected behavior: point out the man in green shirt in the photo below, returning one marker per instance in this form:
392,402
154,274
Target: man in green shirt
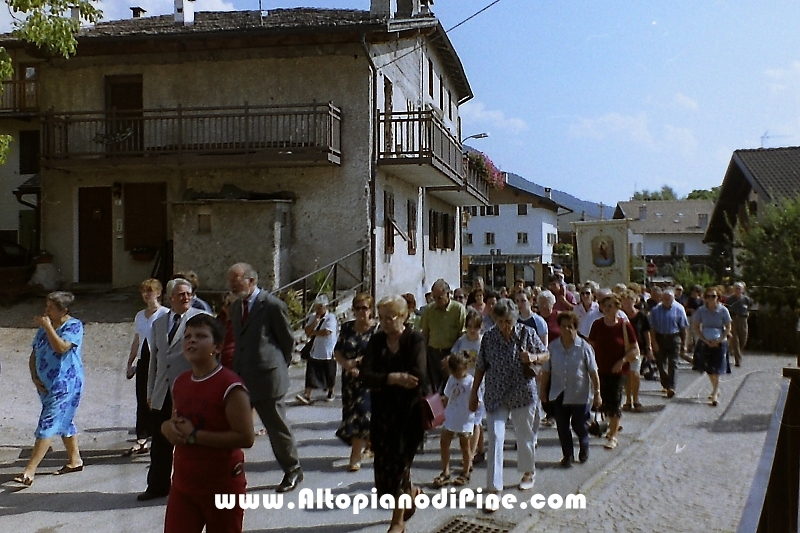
442,324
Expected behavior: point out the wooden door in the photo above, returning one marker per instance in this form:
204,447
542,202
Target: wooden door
124,104
95,236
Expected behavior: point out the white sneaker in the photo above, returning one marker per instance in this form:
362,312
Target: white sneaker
527,482
492,507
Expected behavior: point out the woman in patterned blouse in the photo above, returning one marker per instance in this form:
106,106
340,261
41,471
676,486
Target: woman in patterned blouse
505,349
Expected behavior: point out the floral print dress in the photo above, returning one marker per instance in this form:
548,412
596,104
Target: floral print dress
62,376
356,405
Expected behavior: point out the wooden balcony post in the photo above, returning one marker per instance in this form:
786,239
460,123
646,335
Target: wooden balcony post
180,130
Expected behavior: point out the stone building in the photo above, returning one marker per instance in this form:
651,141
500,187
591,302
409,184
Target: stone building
287,138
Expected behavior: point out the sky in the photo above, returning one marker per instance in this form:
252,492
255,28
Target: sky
601,99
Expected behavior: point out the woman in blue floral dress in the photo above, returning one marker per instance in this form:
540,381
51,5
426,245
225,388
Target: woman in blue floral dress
57,372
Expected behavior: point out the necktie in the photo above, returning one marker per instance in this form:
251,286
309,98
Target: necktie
245,311
176,321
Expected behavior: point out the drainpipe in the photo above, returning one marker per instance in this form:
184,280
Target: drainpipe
373,172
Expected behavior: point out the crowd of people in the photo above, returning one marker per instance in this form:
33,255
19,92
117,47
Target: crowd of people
539,356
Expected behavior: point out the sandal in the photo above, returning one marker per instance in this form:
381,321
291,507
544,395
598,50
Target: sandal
637,407
354,467
136,449
66,469
479,458
611,443
408,513
24,480
441,480
462,479
627,406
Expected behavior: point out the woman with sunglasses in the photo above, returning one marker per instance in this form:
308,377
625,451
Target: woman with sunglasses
349,351
711,324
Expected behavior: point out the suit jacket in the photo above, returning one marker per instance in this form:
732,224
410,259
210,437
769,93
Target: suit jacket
264,346
166,358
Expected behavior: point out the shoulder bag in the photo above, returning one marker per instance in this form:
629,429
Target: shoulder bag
431,406
305,353
628,347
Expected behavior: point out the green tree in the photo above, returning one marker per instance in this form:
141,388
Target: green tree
48,25
704,194
770,255
666,193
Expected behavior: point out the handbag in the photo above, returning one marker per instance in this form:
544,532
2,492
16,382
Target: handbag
431,407
305,353
626,368
598,426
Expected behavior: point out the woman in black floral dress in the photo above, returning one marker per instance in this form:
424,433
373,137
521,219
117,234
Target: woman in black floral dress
394,369
349,351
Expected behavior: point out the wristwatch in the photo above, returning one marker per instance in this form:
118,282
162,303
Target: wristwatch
192,438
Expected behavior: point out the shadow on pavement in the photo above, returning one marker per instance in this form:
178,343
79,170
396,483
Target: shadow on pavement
69,502
332,528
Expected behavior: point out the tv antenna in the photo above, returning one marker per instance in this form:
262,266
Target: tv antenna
767,136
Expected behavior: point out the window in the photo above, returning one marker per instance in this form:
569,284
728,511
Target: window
522,238
431,76
489,239
483,210
491,210
412,227
441,93
473,210
468,239
441,231
388,222
702,220
449,105
676,249
552,238
29,152
522,209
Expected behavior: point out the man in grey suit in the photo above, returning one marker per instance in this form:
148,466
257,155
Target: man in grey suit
264,346
166,364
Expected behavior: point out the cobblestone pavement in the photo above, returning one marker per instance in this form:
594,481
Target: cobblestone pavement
691,470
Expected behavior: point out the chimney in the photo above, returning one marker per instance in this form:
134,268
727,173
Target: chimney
407,8
74,13
548,193
642,212
602,211
138,12
184,12
380,8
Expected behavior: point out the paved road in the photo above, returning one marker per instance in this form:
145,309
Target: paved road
680,466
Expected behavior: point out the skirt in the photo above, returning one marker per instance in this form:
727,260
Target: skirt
320,373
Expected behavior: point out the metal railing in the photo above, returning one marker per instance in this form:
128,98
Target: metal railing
339,278
291,132
419,135
20,95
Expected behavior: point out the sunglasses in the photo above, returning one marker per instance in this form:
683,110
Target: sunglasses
586,293
711,296
458,297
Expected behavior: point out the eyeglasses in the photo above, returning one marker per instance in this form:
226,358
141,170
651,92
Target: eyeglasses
711,296
360,308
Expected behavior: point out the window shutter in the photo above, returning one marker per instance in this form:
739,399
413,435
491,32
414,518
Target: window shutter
451,241
388,218
412,227
431,229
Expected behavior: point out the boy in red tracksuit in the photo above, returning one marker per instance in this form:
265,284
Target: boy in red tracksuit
210,424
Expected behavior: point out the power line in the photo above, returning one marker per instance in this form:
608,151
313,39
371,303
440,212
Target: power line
435,37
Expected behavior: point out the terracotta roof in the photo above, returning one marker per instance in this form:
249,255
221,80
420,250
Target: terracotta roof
676,216
216,21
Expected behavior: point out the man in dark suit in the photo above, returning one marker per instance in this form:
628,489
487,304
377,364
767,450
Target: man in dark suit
264,346
166,364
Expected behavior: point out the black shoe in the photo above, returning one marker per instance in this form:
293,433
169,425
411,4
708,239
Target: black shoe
290,480
151,495
566,462
583,456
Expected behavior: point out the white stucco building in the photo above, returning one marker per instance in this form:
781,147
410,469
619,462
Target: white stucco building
511,238
287,138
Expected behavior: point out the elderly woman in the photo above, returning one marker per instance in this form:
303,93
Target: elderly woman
607,337
57,372
394,369
322,330
349,352
711,325
510,390
568,374
140,348
545,302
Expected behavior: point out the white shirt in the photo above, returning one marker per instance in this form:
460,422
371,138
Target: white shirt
324,345
144,327
457,416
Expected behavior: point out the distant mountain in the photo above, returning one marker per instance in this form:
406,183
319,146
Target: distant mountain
569,201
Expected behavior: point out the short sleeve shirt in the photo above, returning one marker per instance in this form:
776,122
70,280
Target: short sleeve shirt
443,327
570,370
499,359
712,323
323,346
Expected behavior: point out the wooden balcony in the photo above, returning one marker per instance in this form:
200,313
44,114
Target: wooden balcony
298,135
19,98
420,150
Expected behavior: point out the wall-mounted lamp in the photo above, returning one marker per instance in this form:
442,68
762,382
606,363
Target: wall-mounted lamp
482,135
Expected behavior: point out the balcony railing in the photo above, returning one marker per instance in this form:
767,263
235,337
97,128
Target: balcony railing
20,96
299,133
475,180
418,135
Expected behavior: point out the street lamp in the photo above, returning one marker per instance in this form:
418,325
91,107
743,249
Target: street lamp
476,136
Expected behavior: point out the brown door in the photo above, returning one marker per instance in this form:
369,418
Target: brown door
145,215
124,103
94,235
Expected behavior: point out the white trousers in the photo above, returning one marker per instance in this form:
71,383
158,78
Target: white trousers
526,427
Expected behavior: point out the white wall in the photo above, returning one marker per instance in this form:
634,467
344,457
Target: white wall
538,223
659,244
10,178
